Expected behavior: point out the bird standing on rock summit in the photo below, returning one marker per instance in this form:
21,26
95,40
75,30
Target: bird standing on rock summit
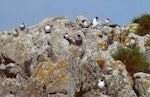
22,26
104,23
94,23
85,24
47,28
78,40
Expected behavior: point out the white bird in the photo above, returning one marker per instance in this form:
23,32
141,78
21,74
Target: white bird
15,33
132,43
66,36
22,26
104,23
94,23
47,28
85,24
101,84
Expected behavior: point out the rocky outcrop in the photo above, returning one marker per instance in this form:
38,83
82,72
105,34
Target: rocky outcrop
142,84
39,64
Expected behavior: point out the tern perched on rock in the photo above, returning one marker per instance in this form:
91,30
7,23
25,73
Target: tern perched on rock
132,43
67,37
15,33
104,23
101,84
22,26
78,40
47,28
85,24
94,22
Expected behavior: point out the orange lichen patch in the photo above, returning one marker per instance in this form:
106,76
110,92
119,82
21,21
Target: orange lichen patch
101,61
60,67
60,78
44,70
62,64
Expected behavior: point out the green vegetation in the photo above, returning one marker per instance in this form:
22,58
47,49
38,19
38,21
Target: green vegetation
144,24
133,59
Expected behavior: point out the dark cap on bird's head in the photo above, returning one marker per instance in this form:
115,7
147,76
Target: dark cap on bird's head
96,17
108,19
79,35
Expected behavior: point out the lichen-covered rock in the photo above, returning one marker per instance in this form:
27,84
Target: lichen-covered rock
142,84
39,64
53,76
147,52
18,50
79,19
117,76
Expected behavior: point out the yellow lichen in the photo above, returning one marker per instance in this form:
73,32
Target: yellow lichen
114,63
133,27
47,72
117,37
43,71
147,42
32,89
121,69
102,45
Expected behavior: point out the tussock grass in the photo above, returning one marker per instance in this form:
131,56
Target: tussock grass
144,24
133,59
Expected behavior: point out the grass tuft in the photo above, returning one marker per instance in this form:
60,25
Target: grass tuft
133,59
144,24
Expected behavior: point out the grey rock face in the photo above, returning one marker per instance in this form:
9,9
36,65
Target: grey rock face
147,52
142,84
39,64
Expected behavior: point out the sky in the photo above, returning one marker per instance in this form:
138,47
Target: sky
31,12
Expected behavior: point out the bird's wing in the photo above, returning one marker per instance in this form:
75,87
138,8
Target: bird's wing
100,22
